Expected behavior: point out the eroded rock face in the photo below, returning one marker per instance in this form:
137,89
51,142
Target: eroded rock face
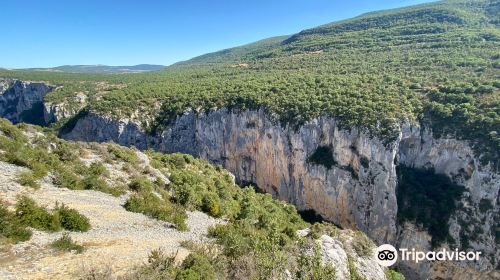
23,101
336,252
57,111
358,191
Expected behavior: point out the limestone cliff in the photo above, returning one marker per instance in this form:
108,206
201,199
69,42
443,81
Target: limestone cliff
359,191
57,111
23,101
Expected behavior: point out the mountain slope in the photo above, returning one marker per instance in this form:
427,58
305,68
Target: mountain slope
234,55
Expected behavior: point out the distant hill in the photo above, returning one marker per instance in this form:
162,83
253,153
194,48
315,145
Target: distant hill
101,68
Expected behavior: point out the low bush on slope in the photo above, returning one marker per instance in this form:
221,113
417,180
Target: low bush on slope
66,243
11,228
72,220
15,225
198,185
158,207
37,217
206,262
62,217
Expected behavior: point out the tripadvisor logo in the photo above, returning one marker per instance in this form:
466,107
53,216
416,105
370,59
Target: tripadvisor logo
387,255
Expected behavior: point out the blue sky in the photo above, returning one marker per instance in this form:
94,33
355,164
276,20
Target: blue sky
46,33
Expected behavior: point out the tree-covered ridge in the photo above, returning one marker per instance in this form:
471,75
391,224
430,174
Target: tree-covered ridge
435,63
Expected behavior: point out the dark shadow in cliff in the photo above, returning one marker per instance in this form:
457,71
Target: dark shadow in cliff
323,155
70,123
427,199
311,216
35,115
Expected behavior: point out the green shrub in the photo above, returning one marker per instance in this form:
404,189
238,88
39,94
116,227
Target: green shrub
72,220
32,215
159,208
66,179
196,267
178,161
261,236
353,272
141,183
393,275
161,184
98,169
27,179
35,216
362,244
211,205
124,154
94,182
310,267
319,229
65,243
65,151
10,130
117,190
11,228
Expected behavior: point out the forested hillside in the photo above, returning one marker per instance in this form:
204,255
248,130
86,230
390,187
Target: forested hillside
435,63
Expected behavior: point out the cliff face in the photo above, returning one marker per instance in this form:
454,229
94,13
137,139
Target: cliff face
258,151
358,191
23,101
54,112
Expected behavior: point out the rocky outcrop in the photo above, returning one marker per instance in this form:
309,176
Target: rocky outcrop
23,101
54,112
339,252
